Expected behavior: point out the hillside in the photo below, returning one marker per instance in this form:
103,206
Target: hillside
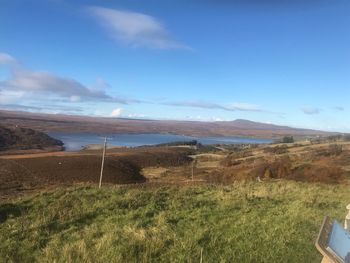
263,203
243,222
69,123
24,138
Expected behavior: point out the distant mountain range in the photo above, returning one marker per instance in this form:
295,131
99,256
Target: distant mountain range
72,123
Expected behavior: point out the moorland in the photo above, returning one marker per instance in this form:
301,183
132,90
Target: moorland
174,202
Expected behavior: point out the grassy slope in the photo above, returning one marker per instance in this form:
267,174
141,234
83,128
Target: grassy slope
244,222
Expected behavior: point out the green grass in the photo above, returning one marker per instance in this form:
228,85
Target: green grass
245,222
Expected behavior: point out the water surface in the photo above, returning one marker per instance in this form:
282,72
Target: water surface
76,141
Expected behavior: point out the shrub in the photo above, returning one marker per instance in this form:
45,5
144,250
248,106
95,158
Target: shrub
179,143
317,173
280,168
315,141
231,159
288,139
276,150
334,138
331,150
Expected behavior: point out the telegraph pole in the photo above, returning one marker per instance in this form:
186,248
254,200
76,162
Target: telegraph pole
193,166
103,161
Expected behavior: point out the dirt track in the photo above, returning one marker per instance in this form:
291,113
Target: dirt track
40,155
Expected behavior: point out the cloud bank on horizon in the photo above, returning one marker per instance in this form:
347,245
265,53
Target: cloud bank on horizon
43,83
24,84
28,84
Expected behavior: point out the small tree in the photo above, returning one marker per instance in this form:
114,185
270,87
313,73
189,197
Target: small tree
287,139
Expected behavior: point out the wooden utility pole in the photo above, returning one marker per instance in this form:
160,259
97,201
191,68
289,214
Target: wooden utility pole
193,164
103,161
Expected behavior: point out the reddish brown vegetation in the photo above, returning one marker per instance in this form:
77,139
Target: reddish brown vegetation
322,169
280,168
283,169
231,159
21,174
277,149
317,173
331,150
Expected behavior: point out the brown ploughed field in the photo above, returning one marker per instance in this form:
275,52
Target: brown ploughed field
25,173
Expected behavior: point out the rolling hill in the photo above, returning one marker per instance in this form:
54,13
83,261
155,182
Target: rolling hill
19,138
73,123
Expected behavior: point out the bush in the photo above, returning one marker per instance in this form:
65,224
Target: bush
231,159
317,173
206,148
288,139
280,168
334,138
276,150
315,141
179,143
332,150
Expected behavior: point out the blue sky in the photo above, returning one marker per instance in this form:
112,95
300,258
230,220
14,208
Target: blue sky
283,62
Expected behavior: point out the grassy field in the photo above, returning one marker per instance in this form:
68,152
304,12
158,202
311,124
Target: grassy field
244,222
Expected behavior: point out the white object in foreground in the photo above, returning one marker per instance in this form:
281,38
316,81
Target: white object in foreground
347,219
339,242
333,242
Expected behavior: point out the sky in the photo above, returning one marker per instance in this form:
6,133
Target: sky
284,62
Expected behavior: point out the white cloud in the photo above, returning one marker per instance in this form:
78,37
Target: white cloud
135,29
244,107
10,97
42,108
196,104
42,83
136,115
74,98
212,105
7,59
204,118
311,110
116,112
